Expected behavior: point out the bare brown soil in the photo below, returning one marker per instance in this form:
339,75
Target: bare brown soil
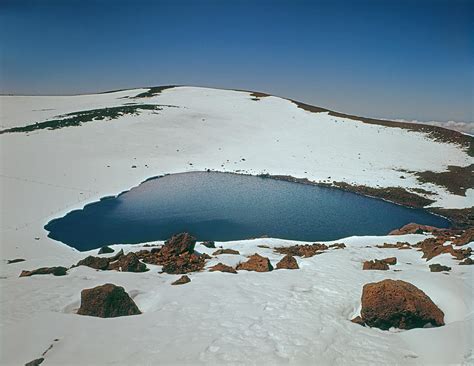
456,179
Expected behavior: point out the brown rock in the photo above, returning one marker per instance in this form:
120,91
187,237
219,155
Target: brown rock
467,262
182,280
439,268
94,262
107,301
338,246
390,261
128,263
256,263
178,244
226,251
398,304
413,228
307,250
287,262
56,271
222,268
466,237
375,265
358,320
184,263
398,245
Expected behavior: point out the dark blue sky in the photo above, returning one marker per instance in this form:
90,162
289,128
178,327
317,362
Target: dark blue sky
394,59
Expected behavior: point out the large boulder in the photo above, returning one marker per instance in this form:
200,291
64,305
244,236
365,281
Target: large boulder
398,304
107,301
128,263
56,271
436,267
375,265
287,262
101,263
178,244
105,250
221,267
256,263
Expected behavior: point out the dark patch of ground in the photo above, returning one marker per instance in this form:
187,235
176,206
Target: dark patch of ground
78,118
456,179
258,95
153,91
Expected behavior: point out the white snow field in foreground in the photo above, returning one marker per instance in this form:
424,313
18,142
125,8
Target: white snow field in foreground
280,317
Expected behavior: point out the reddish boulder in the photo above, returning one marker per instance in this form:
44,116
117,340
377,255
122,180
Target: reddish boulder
220,267
287,262
256,263
398,304
128,263
338,246
178,244
390,261
184,263
375,265
439,268
94,262
56,271
398,245
226,251
182,280
107,301
466,237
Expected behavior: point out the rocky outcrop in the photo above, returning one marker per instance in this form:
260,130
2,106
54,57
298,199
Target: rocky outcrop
128,263
182,280
178,244
101,263
307,250
466,237
287,262
337,246
107,301
391,261
209,244
439,268
375,265
226,251
56,271
432,247
414,228
220,267
105,250
256,263
398,304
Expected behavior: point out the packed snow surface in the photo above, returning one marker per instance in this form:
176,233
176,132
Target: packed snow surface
281,317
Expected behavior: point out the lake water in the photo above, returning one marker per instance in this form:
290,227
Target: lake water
224,206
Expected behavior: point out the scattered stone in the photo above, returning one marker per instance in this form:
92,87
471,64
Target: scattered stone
307,250
222,268
128,263
287,262
375,265
263,246
209,244
256,263
105,250
56,271
107,301
439,268
398,245
398,304
338,246
467,262
16,260
226,251
182,280
358,320
36,362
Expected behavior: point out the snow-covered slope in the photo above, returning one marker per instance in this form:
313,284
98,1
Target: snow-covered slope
298,317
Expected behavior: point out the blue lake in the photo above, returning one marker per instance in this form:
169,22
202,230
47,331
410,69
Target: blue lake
224,206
